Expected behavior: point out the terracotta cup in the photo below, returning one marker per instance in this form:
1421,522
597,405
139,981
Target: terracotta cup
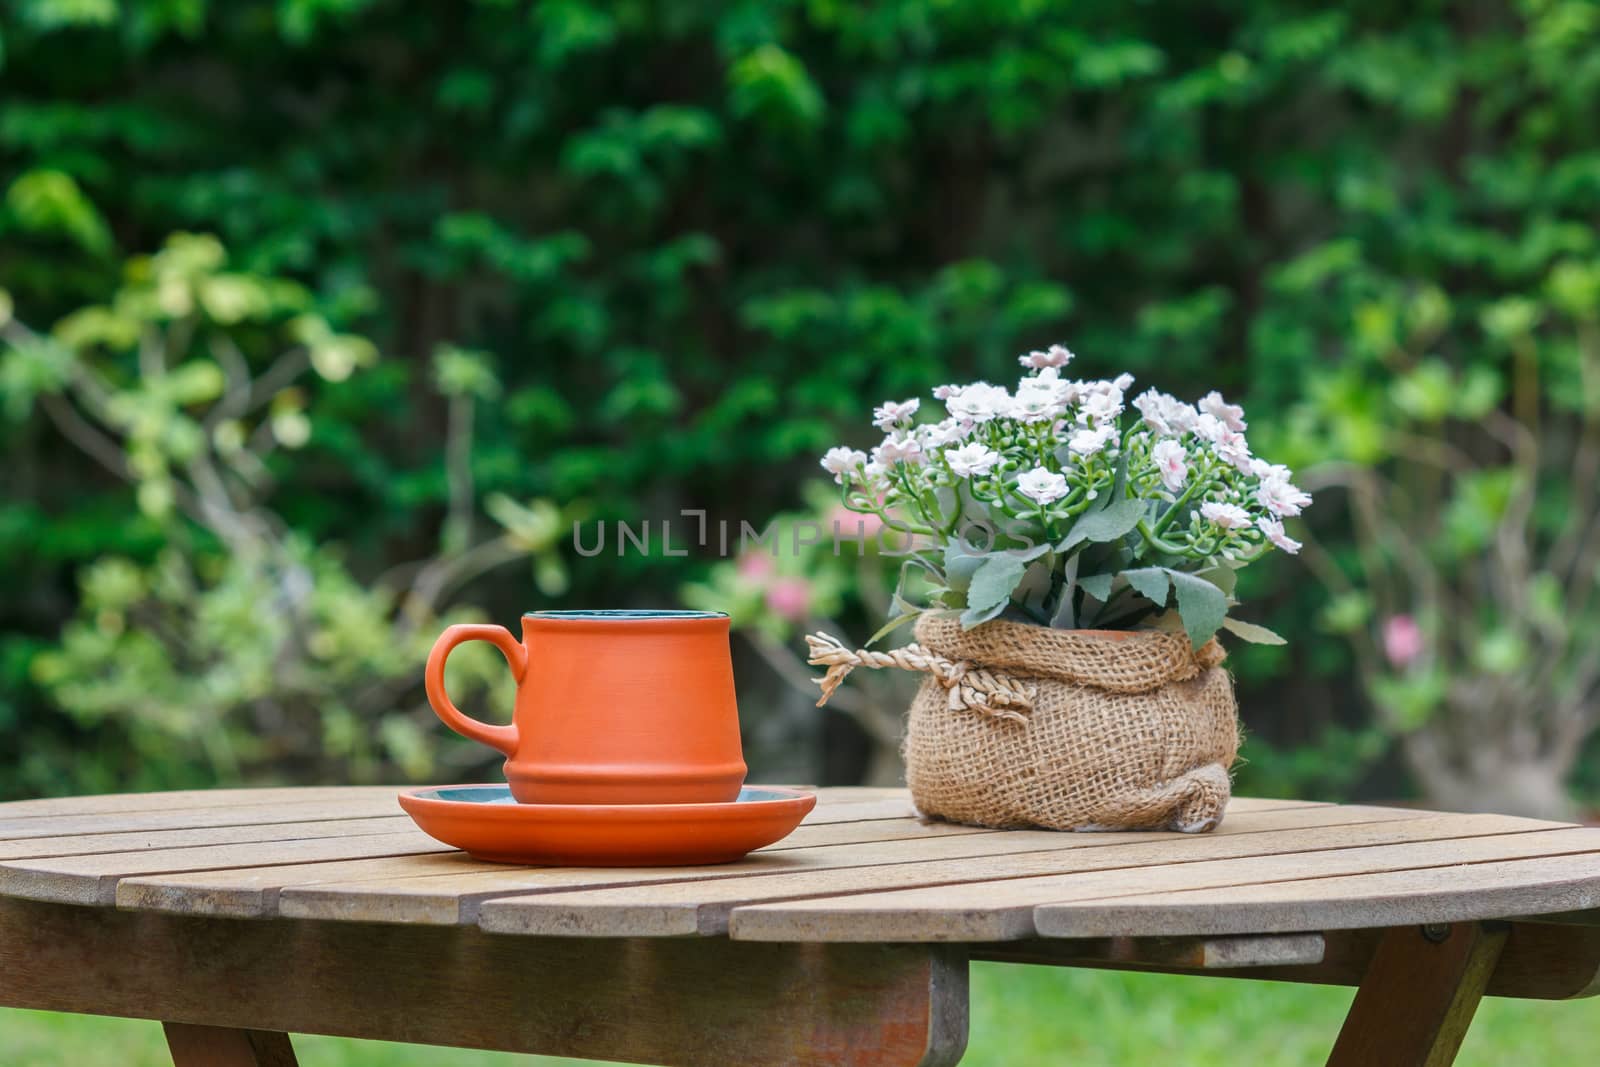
613,707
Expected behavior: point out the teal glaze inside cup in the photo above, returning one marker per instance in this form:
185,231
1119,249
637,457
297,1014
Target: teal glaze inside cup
622,614
501,795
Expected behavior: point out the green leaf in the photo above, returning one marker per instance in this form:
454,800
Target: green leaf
974,617
45,201
994,580
1065,617
959,566
1097,585
771,84
1150,583
1202,606
991,588
1034,587
1249,631
1106,524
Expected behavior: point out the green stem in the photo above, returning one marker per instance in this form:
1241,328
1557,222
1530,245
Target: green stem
1177,505
1157,543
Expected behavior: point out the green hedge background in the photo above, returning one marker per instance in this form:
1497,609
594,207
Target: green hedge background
681,249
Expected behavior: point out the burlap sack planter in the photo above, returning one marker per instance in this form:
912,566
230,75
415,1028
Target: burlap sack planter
1127,731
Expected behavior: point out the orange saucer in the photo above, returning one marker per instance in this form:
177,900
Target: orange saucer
485,821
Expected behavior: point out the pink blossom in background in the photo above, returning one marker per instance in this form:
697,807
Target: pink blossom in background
852,524
790,598
755,565
1402,640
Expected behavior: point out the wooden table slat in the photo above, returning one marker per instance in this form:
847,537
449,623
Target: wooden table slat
1004,910
1446,893
201,800
680,908
366,806
146,841
93,879
407,889
429,899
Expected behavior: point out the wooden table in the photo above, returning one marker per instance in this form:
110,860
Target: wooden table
239,916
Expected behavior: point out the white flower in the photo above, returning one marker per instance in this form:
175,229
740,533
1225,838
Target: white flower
1209,428
1227,516
1090,440
1273,528
899,448
1278,496
1040,399
1264,470
971,460
890,415
1042,486
840,461
1102,403
1171,461
1229,444
1166,415
939,434
1230,415
1234,450
978,402
1122,382
945,392
1054,356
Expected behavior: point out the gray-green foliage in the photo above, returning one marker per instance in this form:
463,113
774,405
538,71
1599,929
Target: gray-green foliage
1041,506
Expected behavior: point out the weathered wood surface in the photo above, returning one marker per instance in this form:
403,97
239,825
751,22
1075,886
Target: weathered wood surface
165,840
1547,881
363,805
410,888
1383,885
677,908
203,800
694,1002
916,857
860,868
1419,995
93,879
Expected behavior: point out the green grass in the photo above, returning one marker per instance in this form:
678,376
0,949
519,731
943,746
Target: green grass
1020,1016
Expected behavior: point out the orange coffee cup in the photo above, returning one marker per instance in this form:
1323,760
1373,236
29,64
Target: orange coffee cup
613,707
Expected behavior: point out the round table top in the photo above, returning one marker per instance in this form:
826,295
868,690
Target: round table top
861,867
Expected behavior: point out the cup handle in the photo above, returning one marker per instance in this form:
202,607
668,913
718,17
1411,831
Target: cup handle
503,738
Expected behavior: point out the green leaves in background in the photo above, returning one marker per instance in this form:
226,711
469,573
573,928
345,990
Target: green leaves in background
695,240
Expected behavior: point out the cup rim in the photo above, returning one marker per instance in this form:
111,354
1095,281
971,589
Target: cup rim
622,614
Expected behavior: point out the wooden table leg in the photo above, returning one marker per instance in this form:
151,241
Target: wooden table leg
1419,995
220,1046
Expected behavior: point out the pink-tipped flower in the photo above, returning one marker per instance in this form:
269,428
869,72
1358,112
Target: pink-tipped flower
1172,462
1273,529
1402,640
1054,356
790,598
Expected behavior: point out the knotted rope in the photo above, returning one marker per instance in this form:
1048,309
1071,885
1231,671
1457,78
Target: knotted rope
969,687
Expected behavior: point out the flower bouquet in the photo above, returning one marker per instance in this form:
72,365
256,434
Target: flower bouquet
1067,576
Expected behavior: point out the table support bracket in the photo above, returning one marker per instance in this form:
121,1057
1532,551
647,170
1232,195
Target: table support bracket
217,1046
1419,995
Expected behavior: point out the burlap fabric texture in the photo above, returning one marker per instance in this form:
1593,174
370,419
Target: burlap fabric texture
1091,730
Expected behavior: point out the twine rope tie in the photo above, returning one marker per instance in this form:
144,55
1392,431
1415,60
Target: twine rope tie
970,688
